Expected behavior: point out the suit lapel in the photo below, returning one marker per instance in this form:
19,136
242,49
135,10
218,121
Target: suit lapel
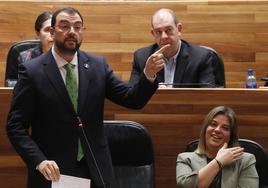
201,160
54,76
84,72
181,63
229,175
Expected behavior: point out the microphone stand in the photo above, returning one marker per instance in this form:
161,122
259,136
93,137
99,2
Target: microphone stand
80,125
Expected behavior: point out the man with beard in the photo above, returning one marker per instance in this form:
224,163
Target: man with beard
61,95
186,65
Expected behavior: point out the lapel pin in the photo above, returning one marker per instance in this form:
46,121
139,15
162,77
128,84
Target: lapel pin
86,65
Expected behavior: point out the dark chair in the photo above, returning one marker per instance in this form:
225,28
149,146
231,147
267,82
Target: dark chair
250,147
12,58
218,66
265,81
132,154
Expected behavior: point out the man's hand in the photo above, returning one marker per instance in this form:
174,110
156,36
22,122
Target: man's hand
229,155
50,170
155,62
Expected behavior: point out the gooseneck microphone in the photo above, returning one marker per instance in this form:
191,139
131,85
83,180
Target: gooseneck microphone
80,125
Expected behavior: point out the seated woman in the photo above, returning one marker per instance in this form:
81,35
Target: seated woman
42,29
218,161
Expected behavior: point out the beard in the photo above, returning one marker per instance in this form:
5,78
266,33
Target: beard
65,49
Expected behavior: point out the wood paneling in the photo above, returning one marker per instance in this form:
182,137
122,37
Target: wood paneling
173,119
237,29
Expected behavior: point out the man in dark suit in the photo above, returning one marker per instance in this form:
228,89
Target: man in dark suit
60,125
186,65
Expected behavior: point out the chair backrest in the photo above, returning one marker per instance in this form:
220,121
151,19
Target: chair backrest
250,147
12,57
265,81
218,66
132,154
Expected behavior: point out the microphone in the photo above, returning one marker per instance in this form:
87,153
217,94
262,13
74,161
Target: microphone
189,85
266,81
80,125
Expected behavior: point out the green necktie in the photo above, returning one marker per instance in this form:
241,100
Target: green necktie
71,86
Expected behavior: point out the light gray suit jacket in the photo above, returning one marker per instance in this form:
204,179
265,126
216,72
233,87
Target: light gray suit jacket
241,174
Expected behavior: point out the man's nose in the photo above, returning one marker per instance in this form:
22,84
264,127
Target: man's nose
164,34
71,30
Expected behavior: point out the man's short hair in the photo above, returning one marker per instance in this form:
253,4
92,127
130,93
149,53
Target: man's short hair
68,10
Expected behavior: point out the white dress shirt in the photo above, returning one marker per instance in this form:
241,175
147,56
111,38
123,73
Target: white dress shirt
62,62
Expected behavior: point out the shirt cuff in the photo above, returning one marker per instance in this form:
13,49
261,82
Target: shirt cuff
151,79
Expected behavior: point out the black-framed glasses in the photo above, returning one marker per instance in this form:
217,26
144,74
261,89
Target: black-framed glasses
67,27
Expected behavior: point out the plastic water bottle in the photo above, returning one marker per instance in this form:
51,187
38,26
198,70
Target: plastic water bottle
251,81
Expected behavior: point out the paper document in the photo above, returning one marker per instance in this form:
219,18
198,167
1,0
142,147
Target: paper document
71,182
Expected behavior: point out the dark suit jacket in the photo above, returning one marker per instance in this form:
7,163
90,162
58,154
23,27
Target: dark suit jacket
41,101
193,69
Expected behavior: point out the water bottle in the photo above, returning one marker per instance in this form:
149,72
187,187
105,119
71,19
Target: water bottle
251,81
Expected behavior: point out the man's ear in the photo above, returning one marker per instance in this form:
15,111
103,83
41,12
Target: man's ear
152,31
179,26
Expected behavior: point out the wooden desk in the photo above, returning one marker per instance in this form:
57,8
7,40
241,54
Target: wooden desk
172,117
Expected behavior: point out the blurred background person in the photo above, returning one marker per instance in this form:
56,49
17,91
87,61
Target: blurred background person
42,27
218,160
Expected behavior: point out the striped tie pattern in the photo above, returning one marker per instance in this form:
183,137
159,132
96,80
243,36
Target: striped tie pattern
71,86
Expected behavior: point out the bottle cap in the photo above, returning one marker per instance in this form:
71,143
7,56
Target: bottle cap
250,71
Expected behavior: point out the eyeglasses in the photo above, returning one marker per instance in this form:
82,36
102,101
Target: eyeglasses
67,27
168,31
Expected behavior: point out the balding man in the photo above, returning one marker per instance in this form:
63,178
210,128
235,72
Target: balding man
186,65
